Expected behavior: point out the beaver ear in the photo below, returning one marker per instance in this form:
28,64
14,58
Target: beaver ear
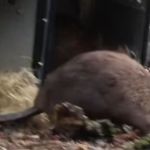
133,55
123,49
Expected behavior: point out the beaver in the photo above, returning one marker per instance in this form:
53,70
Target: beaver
105,84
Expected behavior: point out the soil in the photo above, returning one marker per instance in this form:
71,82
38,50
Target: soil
25,139
26,135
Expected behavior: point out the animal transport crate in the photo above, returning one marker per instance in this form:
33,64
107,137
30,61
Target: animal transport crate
44,34
68,30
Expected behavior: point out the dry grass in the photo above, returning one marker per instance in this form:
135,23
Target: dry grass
17,90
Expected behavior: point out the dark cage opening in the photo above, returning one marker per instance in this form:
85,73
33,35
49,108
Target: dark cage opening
66,28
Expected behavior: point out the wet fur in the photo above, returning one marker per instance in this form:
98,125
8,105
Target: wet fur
105,84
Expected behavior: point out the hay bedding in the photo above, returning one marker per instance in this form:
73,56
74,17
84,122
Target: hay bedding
17,92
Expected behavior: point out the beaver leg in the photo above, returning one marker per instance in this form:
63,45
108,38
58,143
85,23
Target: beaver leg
132,115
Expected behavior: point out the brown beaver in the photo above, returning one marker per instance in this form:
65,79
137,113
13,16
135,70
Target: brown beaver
105,84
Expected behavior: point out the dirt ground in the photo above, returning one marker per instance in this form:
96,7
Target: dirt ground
26,135
24,139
